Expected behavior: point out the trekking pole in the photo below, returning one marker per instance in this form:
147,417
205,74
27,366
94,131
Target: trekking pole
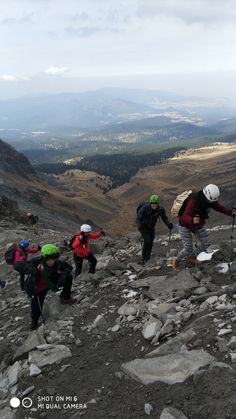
232,230
231,246
168,245
40,307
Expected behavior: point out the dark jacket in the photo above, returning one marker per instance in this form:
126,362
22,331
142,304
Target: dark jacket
147,217
57,274
33,219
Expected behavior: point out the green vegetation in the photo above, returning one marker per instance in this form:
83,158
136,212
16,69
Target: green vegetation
119,167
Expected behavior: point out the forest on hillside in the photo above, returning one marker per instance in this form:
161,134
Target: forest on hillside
119,167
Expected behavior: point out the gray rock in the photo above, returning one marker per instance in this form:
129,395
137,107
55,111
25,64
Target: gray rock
128,309
49,354
100,322
151,328
168,328
222,344
232,343
34,370
161,310
200,291
7,413
170,369
172,413
173,345
10,377
34,339
233,356
162,287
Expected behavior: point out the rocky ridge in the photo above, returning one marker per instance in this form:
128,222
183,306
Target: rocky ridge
139,341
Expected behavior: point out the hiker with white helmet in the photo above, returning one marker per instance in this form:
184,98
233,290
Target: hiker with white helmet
192,216
82,248
147,216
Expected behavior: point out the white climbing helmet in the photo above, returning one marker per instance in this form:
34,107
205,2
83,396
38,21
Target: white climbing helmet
211,192
85,228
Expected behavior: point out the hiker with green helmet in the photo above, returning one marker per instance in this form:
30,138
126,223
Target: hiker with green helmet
45,273
147,216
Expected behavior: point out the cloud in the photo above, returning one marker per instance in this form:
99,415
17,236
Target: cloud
15,21
55,71
83,32
8,77
189,11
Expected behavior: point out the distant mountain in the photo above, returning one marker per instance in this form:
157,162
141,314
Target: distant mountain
70,112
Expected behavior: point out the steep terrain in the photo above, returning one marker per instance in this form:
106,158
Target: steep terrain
191,170
143,341
84,196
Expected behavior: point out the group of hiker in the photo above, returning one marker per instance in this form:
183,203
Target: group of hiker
193,211
48,272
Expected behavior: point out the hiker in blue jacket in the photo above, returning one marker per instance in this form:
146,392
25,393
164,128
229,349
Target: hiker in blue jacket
147,216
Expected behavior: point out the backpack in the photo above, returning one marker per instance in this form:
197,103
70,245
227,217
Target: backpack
179,204
140,205
71,241
10,254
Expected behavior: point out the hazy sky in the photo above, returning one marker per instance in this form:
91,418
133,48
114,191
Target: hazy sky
186,46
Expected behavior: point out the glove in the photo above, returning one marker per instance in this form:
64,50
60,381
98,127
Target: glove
39,247
170,226
103,232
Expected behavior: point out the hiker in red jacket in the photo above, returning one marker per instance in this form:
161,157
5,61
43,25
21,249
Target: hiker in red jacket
20,259
192,219
82,249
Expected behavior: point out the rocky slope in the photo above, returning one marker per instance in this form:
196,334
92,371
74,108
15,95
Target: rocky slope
143,341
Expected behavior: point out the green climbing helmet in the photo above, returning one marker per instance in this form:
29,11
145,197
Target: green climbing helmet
154,199
50,251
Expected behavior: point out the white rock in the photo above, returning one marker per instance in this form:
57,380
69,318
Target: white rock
115,328
223,332
233,356
232,343
172,413
34,370
49,354
151,328
212,300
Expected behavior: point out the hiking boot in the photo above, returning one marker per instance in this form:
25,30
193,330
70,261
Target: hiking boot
175,264
3,283
33,326
192,260
68,300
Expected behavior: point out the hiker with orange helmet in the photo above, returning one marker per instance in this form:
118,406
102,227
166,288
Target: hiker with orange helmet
82,248
192,218
33,220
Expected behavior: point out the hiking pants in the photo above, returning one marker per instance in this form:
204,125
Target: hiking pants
21,267
37,304
202,242
34,228
38,298
148,235
79,263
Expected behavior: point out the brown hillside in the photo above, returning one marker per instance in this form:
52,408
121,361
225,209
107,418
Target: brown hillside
192,170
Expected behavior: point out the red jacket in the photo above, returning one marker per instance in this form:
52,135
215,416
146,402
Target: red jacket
83,249
186,219
21,255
